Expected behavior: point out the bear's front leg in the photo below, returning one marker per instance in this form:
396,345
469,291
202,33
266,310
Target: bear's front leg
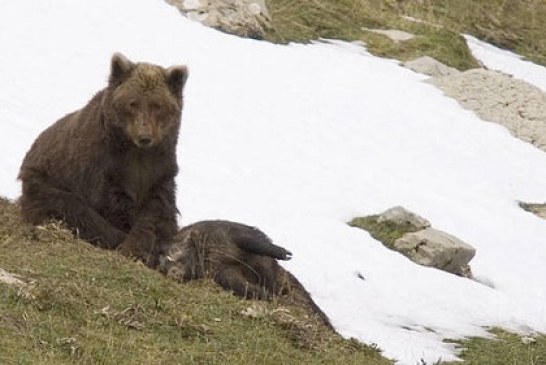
154,227
42,199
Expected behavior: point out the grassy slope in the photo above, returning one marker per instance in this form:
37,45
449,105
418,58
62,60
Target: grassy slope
90,306
506,348
516,25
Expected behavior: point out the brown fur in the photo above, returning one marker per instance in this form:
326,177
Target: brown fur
239,258
108,169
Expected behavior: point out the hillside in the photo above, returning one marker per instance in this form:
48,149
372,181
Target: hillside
83,305
515,25
296,139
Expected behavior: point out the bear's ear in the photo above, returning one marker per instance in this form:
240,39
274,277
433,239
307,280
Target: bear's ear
176,79
120,68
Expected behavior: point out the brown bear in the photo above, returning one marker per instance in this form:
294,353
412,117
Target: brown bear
108,170
239,258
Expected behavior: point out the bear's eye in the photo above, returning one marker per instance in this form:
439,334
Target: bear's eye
155,107
133,104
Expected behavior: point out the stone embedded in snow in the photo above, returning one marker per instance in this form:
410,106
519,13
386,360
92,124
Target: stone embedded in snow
403,217
429,66
434,248
247,18
410,234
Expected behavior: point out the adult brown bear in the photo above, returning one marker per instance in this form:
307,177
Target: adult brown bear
108,169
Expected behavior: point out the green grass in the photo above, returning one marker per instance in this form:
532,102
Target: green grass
90,306
386,232
306,20
517,25
505,349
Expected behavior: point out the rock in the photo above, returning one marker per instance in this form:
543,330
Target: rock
410,234
499,98
429,66
403,217
247,18
434,248
394,35
10,279
539,209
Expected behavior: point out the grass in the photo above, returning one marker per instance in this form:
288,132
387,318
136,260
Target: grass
386,232
505,349
517,25
84,305
306,20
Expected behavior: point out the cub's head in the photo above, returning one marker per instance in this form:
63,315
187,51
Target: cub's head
144,101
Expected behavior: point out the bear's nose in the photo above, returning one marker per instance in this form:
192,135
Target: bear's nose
144,141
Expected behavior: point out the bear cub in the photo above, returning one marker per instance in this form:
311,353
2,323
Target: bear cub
108,170
241,259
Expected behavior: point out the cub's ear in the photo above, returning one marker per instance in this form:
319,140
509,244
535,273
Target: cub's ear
176,78
120,68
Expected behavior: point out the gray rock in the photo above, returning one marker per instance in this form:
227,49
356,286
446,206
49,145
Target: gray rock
434,248
247,18
403,217
500,98
394,35
429,66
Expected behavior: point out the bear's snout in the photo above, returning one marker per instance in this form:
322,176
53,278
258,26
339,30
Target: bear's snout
143,133
144,141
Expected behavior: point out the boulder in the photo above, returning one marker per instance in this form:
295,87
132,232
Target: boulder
429,66
247,18
434,248
403,217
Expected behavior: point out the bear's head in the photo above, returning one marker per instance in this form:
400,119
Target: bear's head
144,101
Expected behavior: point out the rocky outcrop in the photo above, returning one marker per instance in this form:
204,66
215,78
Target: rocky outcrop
493,96
500,98
429,66
434,248
403,217
246,18
411,235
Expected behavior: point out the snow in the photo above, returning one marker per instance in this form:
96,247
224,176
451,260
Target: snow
297,140
508,62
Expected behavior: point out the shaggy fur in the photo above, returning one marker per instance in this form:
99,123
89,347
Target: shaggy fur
239,258
108,169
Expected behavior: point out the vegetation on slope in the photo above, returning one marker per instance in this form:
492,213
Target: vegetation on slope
85,305
505,349
516,25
